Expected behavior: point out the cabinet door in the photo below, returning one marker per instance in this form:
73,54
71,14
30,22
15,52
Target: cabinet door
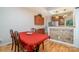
62,34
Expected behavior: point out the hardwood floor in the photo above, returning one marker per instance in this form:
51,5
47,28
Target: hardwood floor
49,46
57,47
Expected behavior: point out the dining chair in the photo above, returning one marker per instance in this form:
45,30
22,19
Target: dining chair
18,45
13,40
33,29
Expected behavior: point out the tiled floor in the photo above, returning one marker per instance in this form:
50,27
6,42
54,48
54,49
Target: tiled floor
49,46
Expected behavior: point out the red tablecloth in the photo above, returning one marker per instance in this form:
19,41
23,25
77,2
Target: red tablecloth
30,41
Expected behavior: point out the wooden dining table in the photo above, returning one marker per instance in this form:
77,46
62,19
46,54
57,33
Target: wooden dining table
31,41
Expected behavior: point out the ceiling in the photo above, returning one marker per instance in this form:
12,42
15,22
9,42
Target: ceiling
50,8
45,10
38,10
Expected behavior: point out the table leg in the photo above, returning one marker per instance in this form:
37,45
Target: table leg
37,48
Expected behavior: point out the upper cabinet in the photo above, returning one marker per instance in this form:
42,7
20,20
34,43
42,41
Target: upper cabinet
62,17
39,20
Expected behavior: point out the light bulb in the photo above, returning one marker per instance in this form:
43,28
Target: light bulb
57,17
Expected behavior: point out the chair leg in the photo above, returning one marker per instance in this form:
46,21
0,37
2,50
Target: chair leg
22,49
15,48
12,45
18,48
37,48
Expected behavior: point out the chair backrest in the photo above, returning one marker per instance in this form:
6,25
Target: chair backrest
16,36
11,33
33,29
17,40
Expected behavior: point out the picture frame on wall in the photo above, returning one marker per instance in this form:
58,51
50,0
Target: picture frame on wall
61,22
38,20
69,22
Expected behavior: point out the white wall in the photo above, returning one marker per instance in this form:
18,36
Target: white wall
14,18
39,10
76,40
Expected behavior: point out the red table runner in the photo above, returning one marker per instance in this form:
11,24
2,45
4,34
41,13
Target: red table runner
30,41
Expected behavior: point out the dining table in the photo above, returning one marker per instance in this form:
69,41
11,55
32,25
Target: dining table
31,41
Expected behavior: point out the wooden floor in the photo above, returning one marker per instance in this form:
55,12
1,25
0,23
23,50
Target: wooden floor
49,46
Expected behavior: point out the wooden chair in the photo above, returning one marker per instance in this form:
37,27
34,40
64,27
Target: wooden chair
13,40
41,30
18,45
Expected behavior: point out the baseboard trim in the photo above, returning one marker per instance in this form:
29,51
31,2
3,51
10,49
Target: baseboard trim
63,43
3,44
